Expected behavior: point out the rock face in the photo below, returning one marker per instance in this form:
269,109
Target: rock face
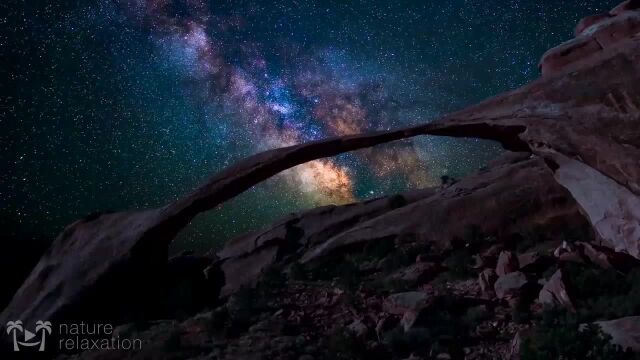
613,210
257,250
582,116
486,200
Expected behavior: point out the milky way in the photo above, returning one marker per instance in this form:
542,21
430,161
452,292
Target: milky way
131,103
304,100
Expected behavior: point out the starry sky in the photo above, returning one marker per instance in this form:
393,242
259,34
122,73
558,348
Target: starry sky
119,104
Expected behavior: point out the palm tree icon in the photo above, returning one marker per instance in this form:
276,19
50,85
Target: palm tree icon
12,328
43,326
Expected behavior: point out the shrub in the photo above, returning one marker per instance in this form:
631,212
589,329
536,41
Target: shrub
344,345
557,336
297,272
458,263
475,315
401,343
603,293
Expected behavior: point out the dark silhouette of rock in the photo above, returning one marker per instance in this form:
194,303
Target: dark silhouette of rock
21,250
187,288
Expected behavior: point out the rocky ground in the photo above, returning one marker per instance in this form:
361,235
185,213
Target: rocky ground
536,256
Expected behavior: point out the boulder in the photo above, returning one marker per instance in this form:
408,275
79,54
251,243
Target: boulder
408,319
534,262
608,258
416,274
515,346
358,328
244,271
400,303
554,292
507,263
487,279
613,209
510,285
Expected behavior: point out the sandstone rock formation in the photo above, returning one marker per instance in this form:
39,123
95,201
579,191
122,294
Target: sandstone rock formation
259,249
577,131
485,200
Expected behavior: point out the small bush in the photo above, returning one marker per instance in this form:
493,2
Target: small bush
603,293
557,336
475,316
402,344
297,272
458,263
344,345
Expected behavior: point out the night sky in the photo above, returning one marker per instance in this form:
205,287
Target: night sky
111,105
